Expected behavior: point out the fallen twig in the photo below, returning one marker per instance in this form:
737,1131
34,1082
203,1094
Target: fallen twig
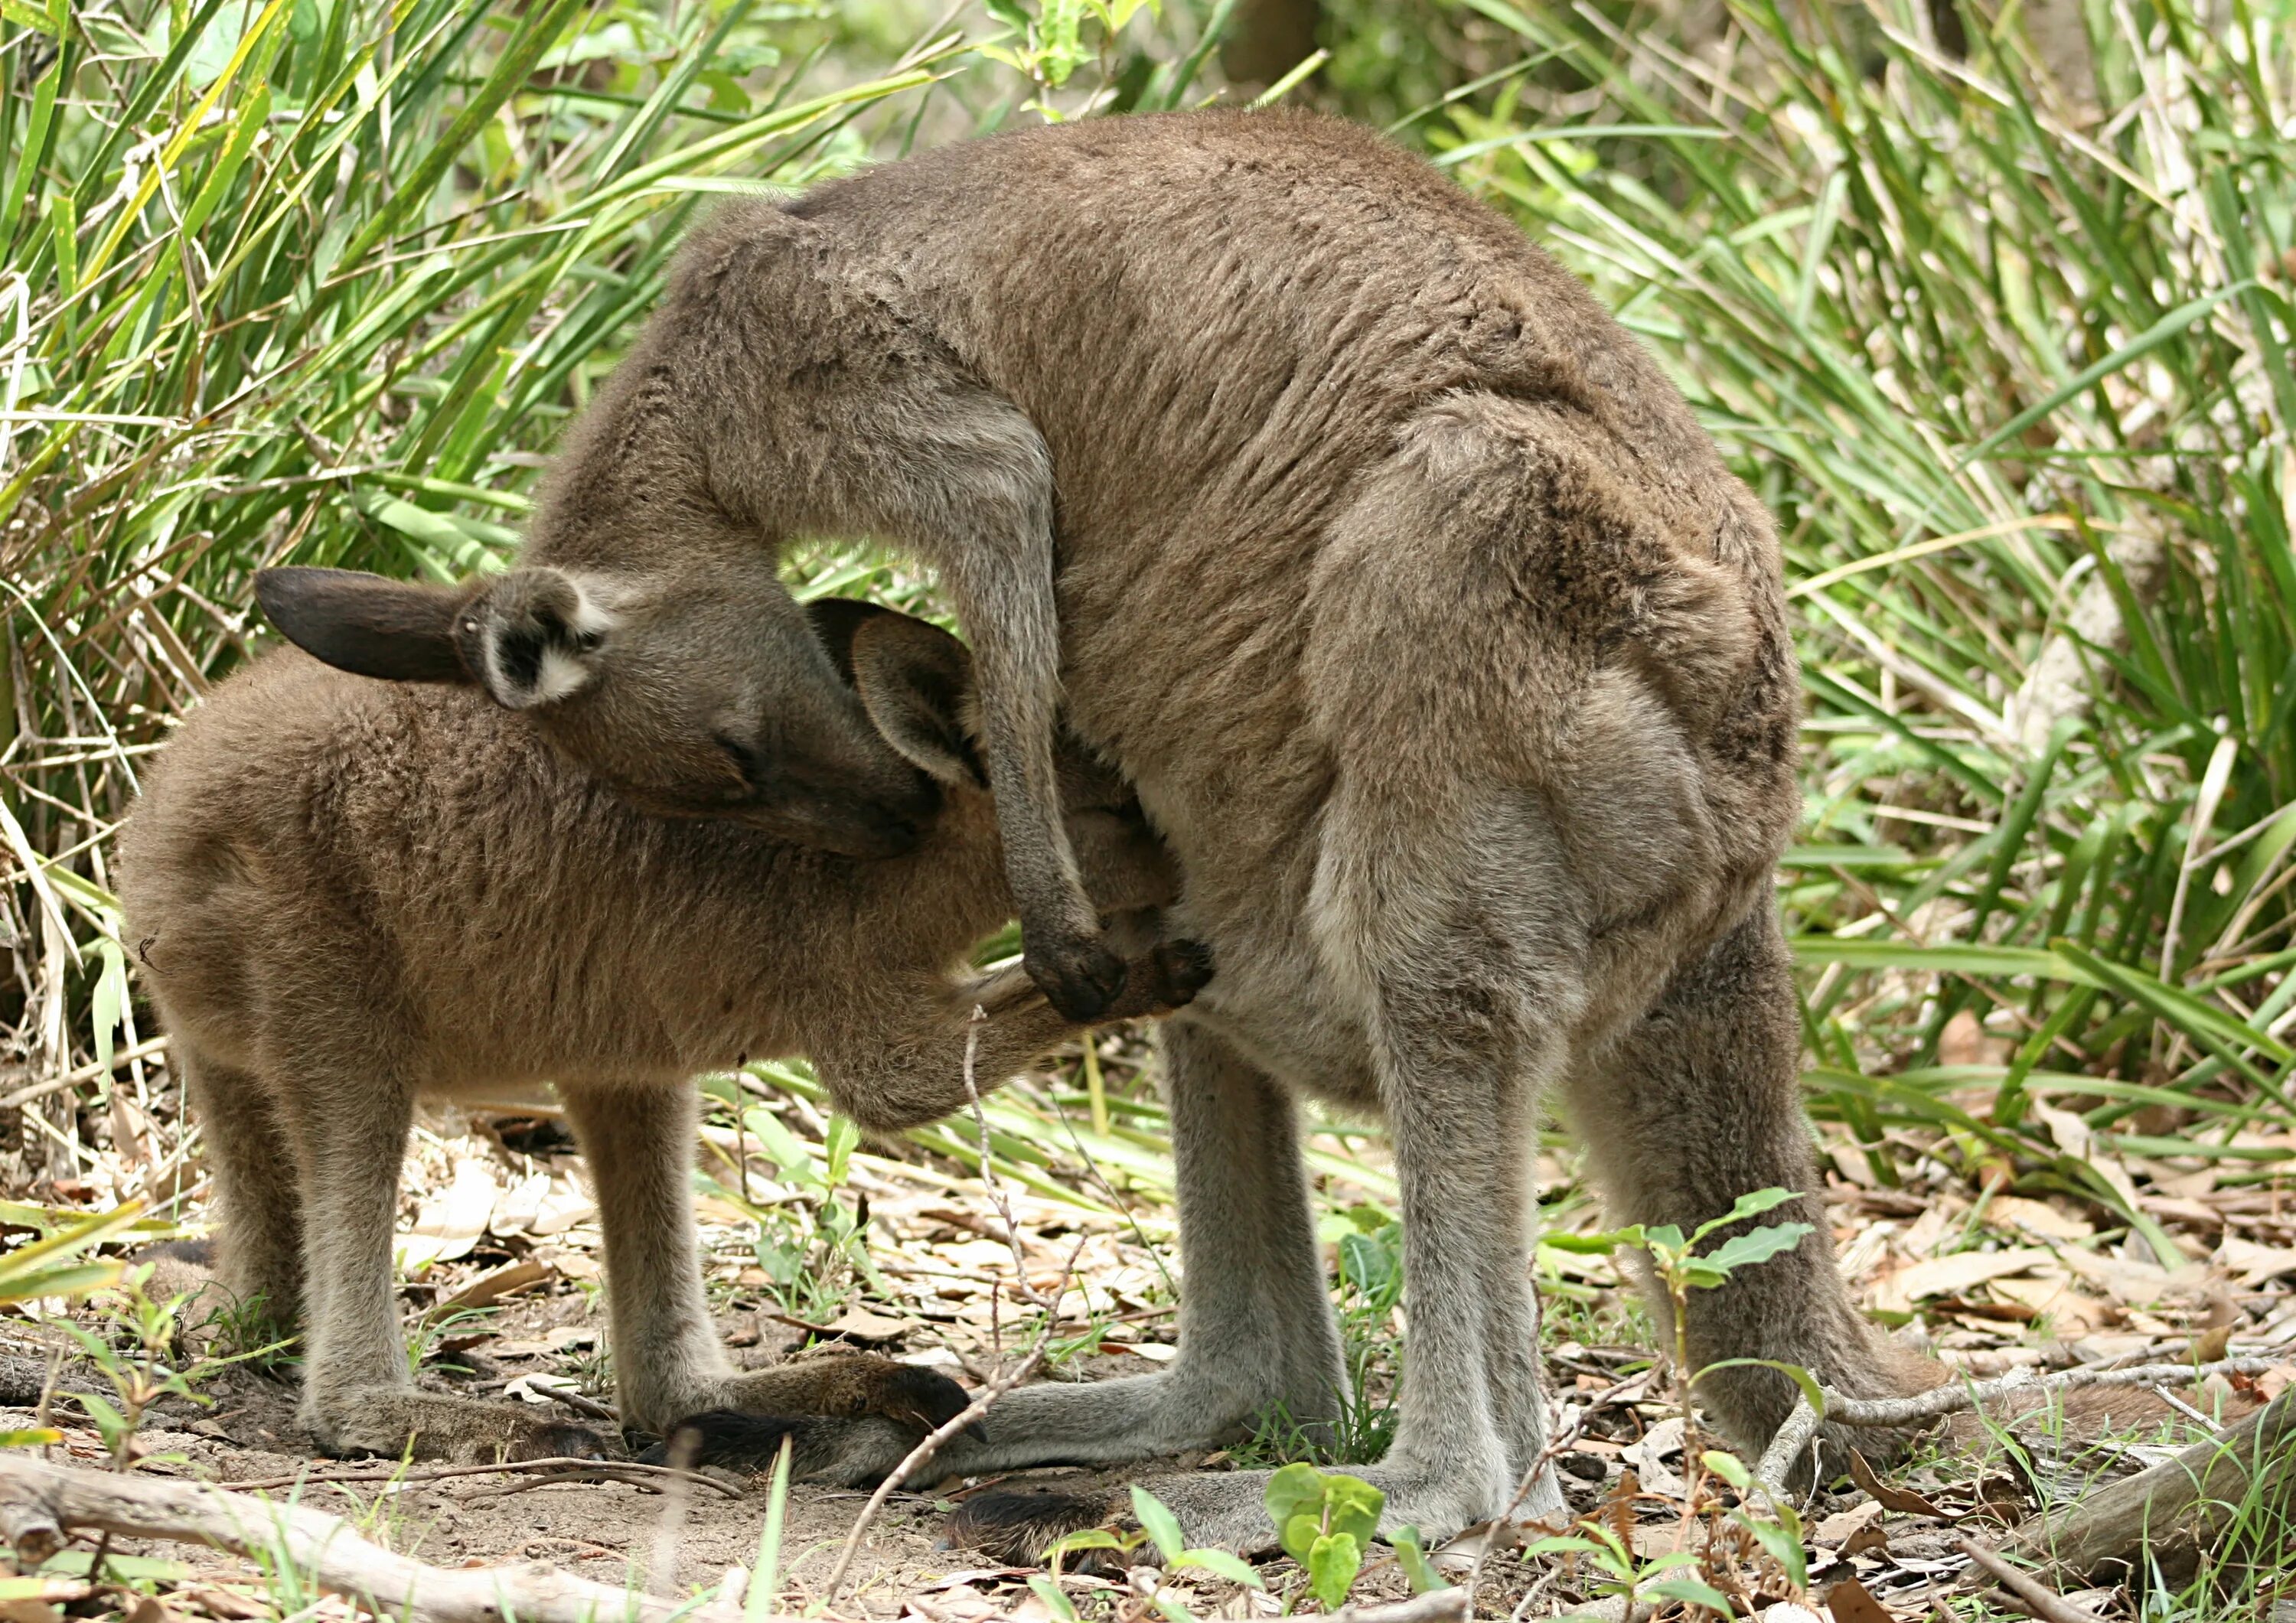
1001,1383
1557,1444
940,1434
40,1503
1436,1606
2038,1598
1801,1425
560,1468
2165,1518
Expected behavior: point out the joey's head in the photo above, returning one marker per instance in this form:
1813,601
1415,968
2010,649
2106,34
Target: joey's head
706,693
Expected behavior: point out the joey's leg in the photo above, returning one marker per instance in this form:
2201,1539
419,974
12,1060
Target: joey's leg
349,1120
1697,1104
907,1066
260,1264
1256,1321
668,1362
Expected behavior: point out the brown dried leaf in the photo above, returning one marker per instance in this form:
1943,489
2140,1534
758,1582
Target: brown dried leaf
1849,1601
1903,1500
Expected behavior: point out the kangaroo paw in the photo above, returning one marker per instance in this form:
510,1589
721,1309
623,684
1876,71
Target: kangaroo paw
459,1429
1017,1526
1078,975
849,1386
1165,978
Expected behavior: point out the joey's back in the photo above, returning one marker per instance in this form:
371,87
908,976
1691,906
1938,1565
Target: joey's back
417,865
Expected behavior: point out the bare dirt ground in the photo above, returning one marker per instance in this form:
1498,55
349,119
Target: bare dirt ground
814,1240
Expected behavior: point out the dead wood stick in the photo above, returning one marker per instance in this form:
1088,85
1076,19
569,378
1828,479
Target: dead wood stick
2038,1598
2169,1515
559,1468
1002,1384
1436,1606
1801,1425
39,1503
940,1434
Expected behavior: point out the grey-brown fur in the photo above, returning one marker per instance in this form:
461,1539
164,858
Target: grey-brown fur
345,892
1442,649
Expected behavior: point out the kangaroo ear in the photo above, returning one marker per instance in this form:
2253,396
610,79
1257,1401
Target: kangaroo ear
836,619
915,681
399,630
533,637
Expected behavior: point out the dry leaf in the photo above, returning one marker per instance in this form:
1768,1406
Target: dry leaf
2013,1214
496,1283
1951,1276
1837,1530
1903,1500
2254,1263
449,1224
1966,1042
2068,1312
1850,1602
2209,1345
1867,1541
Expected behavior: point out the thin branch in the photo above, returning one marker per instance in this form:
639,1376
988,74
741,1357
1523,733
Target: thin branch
562,1467
40,1503
940,1434
1801,1425
2038,1598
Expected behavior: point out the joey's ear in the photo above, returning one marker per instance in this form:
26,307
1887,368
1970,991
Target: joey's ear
915,681
399,630
533,637
835,620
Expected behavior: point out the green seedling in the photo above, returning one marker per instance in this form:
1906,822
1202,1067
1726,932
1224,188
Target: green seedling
1158,1528
1326,1523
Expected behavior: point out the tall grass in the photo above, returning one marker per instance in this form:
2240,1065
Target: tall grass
320,280
2015,377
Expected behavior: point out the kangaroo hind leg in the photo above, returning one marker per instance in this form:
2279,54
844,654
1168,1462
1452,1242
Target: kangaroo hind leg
1698,1103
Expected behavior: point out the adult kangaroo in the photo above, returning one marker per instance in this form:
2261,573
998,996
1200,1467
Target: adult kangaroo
1443,650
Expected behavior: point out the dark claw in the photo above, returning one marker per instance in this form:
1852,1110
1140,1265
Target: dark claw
1081,980
1017,1526
1186,969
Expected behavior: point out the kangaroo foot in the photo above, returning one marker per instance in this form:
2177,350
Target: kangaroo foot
1016,1526
1165,978
802,1401
1076,971
462,1430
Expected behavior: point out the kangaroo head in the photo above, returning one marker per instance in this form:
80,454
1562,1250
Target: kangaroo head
706,693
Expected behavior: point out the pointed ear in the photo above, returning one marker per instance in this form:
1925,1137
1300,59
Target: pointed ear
915,681
533,637
836,619
399,630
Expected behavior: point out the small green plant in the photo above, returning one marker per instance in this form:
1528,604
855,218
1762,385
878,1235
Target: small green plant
811,1250
1369,1243
1157,1527
1326,1523
1680,1268
57,1266
134,1349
